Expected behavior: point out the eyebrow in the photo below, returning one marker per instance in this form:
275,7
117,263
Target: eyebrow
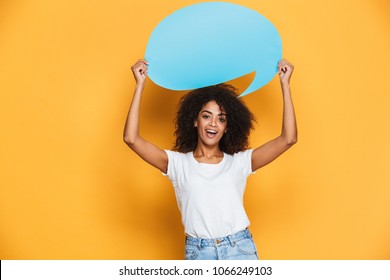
222,114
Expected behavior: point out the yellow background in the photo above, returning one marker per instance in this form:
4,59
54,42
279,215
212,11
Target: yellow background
71,189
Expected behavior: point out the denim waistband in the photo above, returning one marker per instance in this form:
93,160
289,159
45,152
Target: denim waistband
227,240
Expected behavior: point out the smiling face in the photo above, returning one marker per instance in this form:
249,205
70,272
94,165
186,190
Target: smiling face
211,124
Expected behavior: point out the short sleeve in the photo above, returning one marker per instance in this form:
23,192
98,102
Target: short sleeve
173,162
244,159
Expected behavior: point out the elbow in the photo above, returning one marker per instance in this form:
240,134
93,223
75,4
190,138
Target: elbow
129,140
292,141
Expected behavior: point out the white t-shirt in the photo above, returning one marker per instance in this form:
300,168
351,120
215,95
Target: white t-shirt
210,196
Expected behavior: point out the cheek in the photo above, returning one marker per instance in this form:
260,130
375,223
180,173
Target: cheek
198,122
202,122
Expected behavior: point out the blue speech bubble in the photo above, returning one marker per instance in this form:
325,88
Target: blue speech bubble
211,43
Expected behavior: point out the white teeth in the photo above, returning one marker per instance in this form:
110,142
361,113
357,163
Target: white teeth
211,131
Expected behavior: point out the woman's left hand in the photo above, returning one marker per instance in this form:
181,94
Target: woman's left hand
285,70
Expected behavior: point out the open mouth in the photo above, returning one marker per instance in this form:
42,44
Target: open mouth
211,133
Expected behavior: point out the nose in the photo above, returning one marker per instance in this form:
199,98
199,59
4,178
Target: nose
213,122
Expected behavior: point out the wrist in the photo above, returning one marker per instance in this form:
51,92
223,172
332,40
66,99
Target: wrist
140,85
285,84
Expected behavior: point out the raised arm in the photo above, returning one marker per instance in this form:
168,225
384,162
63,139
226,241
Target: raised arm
146,150
266,153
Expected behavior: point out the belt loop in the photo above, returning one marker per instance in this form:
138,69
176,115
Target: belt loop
200,243
231,241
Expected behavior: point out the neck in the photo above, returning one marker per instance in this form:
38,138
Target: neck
208,152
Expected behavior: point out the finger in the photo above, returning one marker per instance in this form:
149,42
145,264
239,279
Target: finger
282,61
288,64
139,63
142,61
136,68
144,69
289,67
281,68
281,65
139,66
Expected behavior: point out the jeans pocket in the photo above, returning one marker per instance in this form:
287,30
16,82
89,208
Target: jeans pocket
246,246
191,252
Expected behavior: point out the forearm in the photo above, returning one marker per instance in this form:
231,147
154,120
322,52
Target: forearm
131,131
289,126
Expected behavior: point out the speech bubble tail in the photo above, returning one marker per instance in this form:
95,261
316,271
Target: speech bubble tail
255,85
259,81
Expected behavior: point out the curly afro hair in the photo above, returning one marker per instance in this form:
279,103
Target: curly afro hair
239,118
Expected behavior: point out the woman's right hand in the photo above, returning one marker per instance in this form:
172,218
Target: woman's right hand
140,71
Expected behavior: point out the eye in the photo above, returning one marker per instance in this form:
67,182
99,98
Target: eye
205,116
222,120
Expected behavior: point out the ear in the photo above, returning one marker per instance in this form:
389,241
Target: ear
195,123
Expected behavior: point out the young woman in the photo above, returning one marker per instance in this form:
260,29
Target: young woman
211,162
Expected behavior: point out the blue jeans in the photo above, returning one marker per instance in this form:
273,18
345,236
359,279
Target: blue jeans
238,246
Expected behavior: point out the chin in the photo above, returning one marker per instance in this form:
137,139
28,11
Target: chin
211,142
